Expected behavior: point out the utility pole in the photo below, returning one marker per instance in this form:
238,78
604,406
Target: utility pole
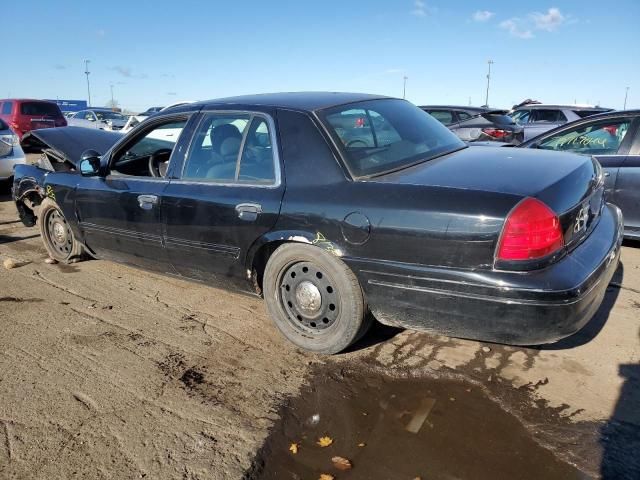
87,72
486,99
626,94
404,87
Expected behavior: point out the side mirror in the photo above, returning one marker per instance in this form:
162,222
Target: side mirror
89,163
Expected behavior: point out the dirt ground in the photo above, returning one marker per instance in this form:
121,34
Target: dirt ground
111,372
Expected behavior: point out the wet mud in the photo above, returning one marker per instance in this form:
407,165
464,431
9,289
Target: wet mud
391,428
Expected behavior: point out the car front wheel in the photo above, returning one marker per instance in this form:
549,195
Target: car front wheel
314,298
57,235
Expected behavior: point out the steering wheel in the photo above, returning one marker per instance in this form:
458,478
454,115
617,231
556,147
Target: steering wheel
159,162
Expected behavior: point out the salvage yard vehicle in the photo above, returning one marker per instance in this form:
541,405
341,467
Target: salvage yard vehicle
537,118
270,194
100,118
24,115
613,139
10,154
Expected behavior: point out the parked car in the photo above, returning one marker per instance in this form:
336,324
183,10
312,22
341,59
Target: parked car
10,154
23,115
268,194
102,119
613,138
477,124
449,114
537,118
134,120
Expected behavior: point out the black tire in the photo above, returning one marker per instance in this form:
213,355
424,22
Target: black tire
56,234
294,277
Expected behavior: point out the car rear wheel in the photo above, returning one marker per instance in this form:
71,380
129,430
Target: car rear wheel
57,235
314,299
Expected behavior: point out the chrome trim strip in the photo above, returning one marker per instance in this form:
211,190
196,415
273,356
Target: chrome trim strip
121,232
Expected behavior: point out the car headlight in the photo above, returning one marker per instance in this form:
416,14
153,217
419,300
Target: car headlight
11,140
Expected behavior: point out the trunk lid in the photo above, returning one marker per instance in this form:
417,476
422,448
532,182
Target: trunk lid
571,185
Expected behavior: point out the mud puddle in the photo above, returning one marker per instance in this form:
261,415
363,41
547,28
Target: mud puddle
400,429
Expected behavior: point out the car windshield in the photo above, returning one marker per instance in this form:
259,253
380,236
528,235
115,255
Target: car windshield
381,136
39,108
106,115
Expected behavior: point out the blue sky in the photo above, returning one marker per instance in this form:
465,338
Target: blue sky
160,52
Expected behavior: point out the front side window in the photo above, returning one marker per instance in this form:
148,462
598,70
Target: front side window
232,148
380,136
603,138
6,108
148,154
550,116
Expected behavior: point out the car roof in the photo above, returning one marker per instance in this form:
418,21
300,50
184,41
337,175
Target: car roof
306,101
26,100
568,107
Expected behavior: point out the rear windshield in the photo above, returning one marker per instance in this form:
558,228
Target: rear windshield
380,136
499,118
40,108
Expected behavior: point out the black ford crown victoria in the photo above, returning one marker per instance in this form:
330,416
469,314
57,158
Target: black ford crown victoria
332,205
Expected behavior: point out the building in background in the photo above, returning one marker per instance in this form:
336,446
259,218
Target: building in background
71,105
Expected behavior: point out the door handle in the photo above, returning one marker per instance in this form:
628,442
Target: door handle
607,174
147,202
248,211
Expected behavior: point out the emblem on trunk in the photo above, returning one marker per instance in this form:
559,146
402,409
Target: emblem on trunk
581,219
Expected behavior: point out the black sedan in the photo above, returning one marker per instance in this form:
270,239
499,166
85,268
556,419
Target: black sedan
477,124
332,206
613,138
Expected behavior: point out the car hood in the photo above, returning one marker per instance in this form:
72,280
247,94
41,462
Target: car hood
68,143
559,179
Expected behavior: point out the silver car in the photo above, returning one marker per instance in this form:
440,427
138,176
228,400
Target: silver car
102,119
10,153
537,118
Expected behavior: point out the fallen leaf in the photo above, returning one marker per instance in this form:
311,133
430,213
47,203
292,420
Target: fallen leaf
341,463
326,476
325,441
362,444
293,448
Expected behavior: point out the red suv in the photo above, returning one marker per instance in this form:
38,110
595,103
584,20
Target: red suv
24,115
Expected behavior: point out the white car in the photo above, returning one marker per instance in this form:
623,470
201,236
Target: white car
11,153
136,119
102,119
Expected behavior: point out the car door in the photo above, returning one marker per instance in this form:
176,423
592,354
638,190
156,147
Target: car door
628,185
119,212
227,195
607,140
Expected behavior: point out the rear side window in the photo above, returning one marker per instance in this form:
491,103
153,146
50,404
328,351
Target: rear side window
443,116
232,148
520,116
380,136
603,138
40,108
6,108
464,116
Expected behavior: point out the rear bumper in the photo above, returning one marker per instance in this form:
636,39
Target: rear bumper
520,308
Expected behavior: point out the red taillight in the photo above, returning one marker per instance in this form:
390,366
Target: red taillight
532,230
359,122
496,132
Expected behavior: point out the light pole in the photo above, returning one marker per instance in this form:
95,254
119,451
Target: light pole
113,105
404,87
626,94
87,72
486,99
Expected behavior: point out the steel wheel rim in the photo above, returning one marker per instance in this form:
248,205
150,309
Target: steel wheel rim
59,236
308,297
